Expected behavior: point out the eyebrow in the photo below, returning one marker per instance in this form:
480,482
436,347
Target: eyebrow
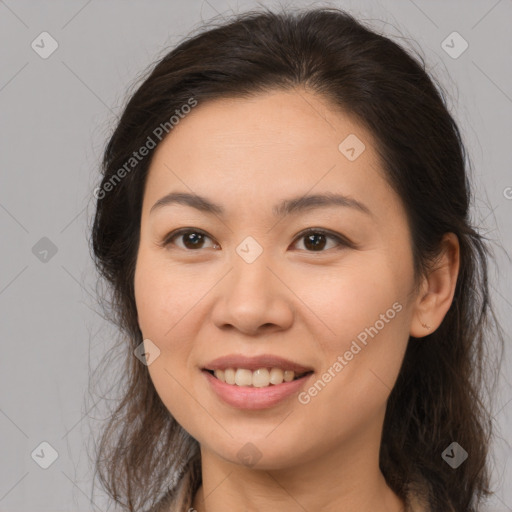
286,207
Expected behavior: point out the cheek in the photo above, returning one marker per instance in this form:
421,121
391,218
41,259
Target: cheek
164,296
346,299
163,303
363,328
163,308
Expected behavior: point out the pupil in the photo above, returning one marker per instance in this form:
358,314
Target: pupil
316,245
192,238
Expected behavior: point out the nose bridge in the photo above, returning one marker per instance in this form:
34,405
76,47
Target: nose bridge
251,277
252,296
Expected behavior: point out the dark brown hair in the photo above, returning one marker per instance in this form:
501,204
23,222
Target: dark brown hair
439,396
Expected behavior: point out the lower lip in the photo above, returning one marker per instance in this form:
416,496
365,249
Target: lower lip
247,397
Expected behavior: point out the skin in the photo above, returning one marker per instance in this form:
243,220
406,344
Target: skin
196,304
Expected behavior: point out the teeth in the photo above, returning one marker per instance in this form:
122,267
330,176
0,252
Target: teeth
243,377
260,378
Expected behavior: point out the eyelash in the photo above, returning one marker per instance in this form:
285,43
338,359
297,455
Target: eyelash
341,241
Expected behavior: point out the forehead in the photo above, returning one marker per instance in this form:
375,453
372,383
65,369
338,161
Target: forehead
267,147
292,122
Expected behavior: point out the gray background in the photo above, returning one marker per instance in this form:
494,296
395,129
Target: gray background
56,114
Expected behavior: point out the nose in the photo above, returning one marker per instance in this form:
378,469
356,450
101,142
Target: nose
252,298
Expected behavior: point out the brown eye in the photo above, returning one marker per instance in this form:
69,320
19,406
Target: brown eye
315,240
191,239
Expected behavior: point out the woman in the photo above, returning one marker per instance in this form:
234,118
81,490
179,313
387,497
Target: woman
284,223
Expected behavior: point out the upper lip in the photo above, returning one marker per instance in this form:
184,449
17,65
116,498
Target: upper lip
254,363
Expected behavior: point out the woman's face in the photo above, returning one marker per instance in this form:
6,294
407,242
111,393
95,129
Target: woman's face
247,280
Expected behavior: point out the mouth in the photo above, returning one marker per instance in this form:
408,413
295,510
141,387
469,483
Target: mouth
255,382
259,378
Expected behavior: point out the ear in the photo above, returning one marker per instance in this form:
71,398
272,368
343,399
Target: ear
437,289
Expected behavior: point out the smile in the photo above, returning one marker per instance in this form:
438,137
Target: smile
249,397
260,378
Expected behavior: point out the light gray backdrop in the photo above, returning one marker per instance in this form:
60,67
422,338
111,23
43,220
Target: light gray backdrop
58,105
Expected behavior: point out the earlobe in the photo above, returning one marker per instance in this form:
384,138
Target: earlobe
438,289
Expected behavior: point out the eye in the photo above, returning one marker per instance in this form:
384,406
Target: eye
192,238
314,239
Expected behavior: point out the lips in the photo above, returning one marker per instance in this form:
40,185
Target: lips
255,363
254,398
